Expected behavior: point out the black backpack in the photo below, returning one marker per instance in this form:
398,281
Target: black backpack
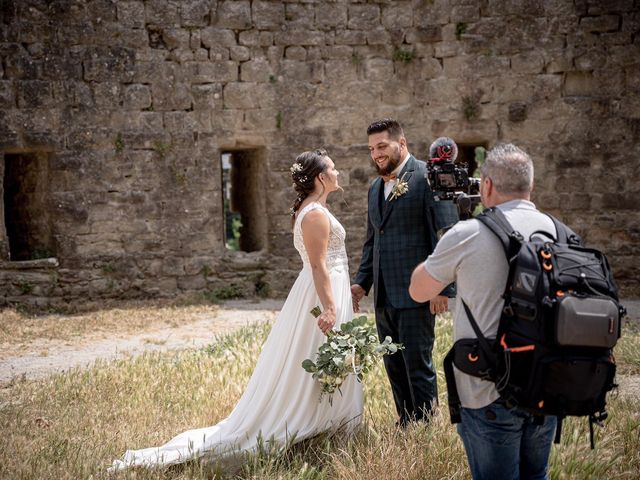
561,319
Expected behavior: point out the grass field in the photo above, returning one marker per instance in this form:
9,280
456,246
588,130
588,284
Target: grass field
72,425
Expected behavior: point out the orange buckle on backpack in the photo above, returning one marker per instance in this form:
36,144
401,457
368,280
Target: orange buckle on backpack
524,348
545,254
547,266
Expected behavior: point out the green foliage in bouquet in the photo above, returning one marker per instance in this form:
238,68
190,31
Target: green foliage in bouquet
351,350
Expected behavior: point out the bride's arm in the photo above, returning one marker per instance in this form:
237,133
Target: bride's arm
315,234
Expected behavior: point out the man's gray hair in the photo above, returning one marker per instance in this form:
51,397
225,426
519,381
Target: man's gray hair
510,169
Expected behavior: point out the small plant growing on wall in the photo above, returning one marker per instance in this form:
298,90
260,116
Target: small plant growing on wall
26,287
119,144
461,28
404,56
228,292
262,288
206,271
471,107
279,120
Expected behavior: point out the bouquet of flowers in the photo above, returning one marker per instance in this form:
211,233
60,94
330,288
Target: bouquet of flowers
351,350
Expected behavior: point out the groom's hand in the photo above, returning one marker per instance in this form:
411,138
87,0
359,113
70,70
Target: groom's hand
439,304
357,292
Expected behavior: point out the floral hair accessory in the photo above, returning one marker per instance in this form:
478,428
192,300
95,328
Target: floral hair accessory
296,168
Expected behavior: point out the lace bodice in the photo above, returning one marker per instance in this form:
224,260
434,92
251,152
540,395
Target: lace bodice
336,252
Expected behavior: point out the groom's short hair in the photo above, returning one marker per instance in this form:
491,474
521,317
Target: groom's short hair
386,125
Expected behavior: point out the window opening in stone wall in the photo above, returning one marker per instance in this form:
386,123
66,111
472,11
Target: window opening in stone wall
473,155
243,190
26,204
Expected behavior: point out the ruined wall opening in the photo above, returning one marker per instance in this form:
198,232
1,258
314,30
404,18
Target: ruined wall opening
473,155
244,199
27,206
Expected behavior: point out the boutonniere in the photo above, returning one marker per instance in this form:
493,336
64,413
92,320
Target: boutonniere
400,188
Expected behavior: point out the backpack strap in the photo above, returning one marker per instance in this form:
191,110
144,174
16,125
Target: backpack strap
453,399
510,238
564,233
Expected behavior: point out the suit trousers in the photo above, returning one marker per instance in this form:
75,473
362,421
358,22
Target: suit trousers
411,372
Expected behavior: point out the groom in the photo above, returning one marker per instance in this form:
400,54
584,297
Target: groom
401,233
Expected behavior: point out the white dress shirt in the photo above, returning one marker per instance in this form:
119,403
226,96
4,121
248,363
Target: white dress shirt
388,186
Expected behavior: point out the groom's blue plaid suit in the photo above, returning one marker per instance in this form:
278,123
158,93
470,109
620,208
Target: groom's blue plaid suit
401,233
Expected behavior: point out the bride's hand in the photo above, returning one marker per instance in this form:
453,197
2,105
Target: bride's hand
327,320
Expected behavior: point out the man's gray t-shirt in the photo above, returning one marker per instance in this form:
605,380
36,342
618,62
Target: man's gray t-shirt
472,256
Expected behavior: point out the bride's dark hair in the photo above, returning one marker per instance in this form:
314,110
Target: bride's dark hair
305,169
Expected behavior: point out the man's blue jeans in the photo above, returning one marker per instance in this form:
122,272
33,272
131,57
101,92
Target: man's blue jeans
505,443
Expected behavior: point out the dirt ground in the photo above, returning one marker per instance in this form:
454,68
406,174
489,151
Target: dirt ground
42,357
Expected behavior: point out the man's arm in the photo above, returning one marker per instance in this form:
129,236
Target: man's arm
364,277
423,286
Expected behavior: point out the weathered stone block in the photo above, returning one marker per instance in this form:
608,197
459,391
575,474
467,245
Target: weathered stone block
303,71
517,112
176,38
363,16
234,15
378,36
529,62
7,94
429,68
331,15
446,49
162,13
296,53
195,13
56,67
298,16
35,94
378,69
239,54
397,15
171,96
258,70
206,97
579,83
22,66
217,37
104,64
599,24
299,37
350,37
240,95
218,54
137,96
201,55
424,34
465,13
267,15
212,72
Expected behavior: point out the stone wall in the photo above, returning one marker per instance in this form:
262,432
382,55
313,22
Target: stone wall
131,103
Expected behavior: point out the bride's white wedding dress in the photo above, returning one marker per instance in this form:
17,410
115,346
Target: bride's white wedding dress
281,401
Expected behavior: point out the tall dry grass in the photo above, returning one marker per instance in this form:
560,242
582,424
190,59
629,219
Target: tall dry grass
72,425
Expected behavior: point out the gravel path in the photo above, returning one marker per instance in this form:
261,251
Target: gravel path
45,357
49,356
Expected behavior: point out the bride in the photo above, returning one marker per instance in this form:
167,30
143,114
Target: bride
281,400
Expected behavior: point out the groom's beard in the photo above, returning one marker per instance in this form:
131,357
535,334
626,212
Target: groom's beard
394,161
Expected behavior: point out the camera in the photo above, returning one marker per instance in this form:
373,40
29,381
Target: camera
450,181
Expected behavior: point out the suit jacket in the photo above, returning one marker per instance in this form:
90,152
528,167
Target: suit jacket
400,235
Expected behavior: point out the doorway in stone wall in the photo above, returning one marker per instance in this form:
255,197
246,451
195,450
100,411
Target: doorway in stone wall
28,233
244,199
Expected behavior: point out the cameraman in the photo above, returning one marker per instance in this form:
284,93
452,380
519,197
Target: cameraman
500,442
